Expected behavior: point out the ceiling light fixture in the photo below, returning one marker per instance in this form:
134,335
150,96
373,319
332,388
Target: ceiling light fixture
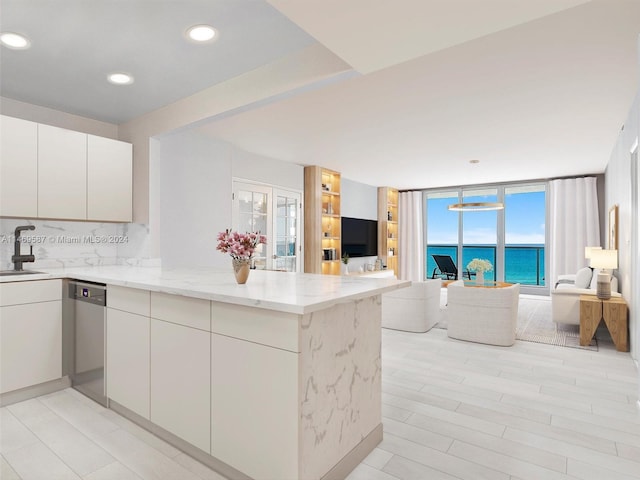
120,78
14,41
475,206
474,161
202,33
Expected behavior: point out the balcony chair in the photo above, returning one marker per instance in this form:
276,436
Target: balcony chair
446,268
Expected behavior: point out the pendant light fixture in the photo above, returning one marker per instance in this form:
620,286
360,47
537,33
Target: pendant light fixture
475,206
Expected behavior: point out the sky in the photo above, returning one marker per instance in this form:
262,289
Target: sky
524,220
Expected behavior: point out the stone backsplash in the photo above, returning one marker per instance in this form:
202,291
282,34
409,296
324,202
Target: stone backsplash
67,244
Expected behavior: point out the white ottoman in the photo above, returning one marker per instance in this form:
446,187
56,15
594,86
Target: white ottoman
483,315
412,309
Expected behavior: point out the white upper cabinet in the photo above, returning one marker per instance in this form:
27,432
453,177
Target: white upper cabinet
51,172
18,167
109,180
62,173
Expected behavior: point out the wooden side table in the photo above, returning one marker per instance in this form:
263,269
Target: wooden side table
614,314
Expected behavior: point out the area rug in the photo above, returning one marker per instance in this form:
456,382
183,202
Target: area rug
535,325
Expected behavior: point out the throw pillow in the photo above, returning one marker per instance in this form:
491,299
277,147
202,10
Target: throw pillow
594,279
583,278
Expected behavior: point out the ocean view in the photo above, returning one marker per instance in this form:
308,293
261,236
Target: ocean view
524,264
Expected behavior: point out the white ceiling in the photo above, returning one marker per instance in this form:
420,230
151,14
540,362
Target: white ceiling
77,43
532,88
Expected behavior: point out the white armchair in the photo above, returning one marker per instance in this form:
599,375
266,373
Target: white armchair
412,309
565,295
483,315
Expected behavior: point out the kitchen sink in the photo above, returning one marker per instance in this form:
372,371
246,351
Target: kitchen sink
6,273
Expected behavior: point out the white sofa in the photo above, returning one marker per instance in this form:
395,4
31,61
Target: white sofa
482,315
412,309
565,294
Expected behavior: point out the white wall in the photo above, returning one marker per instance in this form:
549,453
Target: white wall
194,198
195,178
358,200
618,184
250,166
48,116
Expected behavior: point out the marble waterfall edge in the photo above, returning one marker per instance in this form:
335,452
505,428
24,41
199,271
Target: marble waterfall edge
340,382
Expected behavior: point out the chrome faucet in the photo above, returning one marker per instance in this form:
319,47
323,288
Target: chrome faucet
17,258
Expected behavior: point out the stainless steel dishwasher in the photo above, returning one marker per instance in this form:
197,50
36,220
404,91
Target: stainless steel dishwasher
87,308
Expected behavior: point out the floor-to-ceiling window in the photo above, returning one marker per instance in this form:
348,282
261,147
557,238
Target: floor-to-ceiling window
442,227
480,229
525,227
513,239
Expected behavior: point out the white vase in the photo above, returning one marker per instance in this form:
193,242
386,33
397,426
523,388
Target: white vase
480,278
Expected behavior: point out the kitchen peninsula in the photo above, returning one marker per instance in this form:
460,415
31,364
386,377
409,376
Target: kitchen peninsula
276,379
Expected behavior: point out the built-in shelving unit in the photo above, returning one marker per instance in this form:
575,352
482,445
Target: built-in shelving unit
388,227
322,230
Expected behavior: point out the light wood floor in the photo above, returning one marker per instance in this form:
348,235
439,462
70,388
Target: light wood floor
452,410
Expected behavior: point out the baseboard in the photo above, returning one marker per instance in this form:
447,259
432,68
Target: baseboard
352,459
222,468
339,472
34,391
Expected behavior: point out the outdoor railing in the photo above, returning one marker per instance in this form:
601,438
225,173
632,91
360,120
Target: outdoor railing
523,264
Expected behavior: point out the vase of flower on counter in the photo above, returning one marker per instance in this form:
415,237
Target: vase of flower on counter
241,247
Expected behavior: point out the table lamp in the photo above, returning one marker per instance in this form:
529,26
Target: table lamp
604,260
588,250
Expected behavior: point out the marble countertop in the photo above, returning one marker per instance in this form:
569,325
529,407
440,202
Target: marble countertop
297,293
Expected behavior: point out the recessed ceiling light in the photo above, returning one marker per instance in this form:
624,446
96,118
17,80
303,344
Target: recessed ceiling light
120,78
14,41
474,161
202,33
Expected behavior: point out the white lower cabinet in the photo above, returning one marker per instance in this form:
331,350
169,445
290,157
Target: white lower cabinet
254,405
233,393
181,381
128,359
30,333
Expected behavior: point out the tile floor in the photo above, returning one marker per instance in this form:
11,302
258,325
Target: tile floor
451,410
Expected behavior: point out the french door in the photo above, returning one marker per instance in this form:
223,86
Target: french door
274,212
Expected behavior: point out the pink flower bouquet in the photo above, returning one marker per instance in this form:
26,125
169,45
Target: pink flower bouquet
241,246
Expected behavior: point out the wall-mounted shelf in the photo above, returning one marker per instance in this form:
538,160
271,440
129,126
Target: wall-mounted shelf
388,227
322,229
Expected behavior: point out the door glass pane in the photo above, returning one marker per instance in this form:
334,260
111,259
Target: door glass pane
442,229
480,230
260,203
253,217
525,234
245,201
286,234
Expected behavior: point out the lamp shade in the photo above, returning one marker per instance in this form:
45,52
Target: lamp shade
604,259
587,251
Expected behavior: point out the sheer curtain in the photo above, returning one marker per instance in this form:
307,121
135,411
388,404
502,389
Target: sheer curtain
574,224
411,246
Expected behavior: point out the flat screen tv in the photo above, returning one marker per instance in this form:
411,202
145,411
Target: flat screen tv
359,237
